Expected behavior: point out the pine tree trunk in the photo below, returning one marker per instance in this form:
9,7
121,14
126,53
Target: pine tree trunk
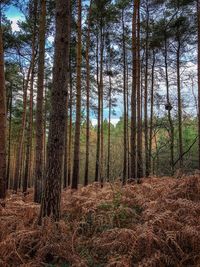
151,112
169,112
9,140
139,117
75,178
30,123
124,100
109,118
39,166
18,164
87,98
70,128
2,122
99,116
101,172
55,149
133,96
65,170
179,105
198,14
146,93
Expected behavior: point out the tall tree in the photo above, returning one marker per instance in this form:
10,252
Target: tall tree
88,97
75,178
55,148
198,16
39,108
28,163
2,120
133,95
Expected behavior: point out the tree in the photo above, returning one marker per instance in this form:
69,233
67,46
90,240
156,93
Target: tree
75,177
88,97
2,120
39,109
55,148
198,16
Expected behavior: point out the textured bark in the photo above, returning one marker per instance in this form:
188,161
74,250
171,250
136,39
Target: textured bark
28,163
124,100
9,140
147,167
98,116
151,112
169,111
75,177
133,97
55,149
65,169
2,122
109,118
180,134
70,129
17,176
198,14
87,98
139,117
101,172
39,166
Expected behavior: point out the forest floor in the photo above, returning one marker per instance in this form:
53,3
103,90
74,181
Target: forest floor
152,224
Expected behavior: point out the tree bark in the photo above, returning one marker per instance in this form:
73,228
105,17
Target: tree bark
139,117
2,121
87,98
198,16
75,178
55,149
28,163
124,100
133,96
39,166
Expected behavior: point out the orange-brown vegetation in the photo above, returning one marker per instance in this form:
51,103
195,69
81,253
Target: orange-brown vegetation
155,223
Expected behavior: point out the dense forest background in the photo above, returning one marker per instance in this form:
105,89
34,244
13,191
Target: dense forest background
134,62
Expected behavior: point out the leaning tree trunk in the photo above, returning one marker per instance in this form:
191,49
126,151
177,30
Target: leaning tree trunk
75,178
2,122
55,149
39,164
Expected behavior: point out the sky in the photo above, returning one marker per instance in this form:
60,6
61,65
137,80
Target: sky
14,15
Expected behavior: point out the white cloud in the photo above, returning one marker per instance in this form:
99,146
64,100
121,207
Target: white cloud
14,25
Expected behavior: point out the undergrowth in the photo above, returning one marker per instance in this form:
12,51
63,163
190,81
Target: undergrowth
152,224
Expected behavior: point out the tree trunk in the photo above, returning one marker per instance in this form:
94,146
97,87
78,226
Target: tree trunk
2,122
133,96
198,14
179,104
22,130
39,166
101,172
70,127
99,116
55,149
75,178
87,98
65,170
28,163
124,100
146,93
151,112
139,117
169,112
